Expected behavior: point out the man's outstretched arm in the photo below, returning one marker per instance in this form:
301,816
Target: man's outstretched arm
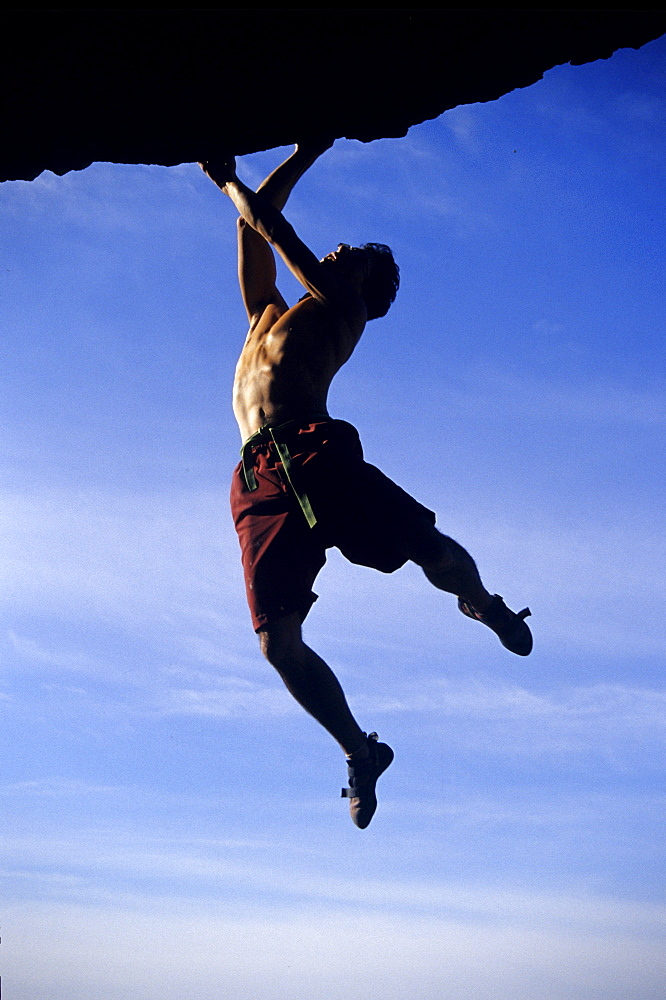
268,222
256,264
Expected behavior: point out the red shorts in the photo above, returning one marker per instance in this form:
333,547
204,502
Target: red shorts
358,509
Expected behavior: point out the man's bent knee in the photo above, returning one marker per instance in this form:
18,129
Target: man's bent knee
281,640
434,552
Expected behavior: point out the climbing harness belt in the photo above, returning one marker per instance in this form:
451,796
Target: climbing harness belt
267,434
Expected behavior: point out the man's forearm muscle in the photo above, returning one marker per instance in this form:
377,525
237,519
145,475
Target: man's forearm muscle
279,184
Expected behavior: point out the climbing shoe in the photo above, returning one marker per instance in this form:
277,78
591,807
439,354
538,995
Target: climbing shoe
510,627
363,776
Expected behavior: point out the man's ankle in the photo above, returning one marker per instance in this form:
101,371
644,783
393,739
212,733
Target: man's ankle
480,603
361,752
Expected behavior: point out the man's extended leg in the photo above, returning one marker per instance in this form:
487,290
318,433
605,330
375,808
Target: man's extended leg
450,567
316,688
311,681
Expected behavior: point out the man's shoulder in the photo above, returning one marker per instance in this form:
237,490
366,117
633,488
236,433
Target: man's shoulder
309,310
312,329
346,313
268,316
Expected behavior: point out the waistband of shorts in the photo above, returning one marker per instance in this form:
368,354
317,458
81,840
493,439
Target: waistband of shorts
269,432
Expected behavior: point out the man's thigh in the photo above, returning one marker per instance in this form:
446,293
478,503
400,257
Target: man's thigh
380,525
280,554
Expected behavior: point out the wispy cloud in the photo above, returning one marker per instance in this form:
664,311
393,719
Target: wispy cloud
463,122
99,201
601,718
209,862
130,952
57,788
231,698
37,654
164,557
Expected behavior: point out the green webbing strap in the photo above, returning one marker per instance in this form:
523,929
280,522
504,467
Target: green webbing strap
248,470
303,499
262,436
283,451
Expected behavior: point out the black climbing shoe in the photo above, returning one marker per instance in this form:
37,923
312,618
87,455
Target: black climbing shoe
510,627
363,776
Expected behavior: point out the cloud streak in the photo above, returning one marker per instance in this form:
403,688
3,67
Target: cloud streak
303,954
209,863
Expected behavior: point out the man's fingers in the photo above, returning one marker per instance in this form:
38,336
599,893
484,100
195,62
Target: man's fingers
220,169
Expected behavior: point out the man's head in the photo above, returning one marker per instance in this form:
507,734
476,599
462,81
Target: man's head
373,266
382,281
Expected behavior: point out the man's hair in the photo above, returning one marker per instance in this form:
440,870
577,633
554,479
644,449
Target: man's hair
383,281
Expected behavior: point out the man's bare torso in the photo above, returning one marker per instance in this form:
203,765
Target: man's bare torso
289,359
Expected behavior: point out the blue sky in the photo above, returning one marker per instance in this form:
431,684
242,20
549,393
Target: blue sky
172,821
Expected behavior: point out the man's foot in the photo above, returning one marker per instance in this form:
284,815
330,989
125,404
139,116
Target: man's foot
510,627
363,776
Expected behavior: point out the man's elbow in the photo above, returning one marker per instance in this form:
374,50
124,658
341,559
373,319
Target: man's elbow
261,225
277,230
269,223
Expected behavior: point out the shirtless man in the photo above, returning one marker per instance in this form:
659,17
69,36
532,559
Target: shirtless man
302,485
